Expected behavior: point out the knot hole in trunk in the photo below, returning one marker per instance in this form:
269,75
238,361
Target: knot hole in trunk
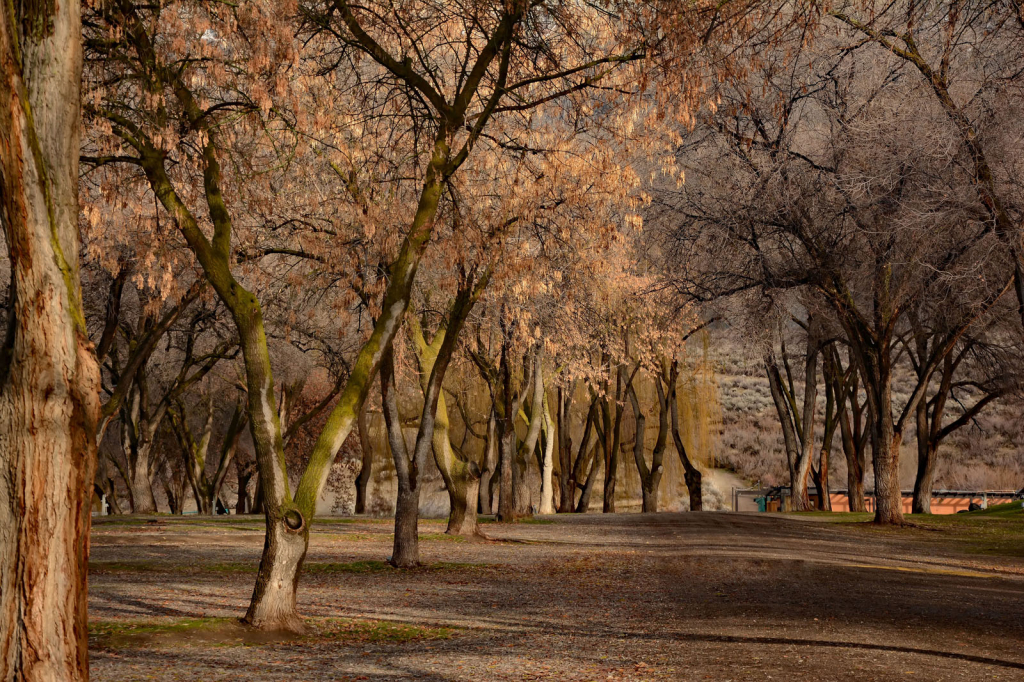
293,519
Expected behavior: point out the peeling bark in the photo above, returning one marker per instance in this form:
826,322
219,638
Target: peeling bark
49,377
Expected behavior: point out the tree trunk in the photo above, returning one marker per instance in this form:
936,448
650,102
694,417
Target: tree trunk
886,463
691,474
595,465
798,486
926,450
611,458
506,437
853,451
566,478
547,500
461,480
143,500
820,476
49,378
461,476
272,606
506,450
367,460
485,499
521,461
406,550
786,418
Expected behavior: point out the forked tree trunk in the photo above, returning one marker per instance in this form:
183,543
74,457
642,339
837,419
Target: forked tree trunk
366,469
854,444
521,462
490,463
461,476
409,470
584,453
272,606
595,466
691,474
650,477
49,378
801,500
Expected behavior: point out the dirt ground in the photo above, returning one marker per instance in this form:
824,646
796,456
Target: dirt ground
710,596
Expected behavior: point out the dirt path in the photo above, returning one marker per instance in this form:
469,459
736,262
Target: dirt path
624,597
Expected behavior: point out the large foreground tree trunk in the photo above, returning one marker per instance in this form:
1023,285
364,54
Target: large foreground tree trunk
49,378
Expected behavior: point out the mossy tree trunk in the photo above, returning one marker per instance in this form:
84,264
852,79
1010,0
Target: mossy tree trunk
366,467
460,474
409,467
194,452
49,377
490,465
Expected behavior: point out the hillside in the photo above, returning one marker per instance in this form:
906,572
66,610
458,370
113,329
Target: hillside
989,454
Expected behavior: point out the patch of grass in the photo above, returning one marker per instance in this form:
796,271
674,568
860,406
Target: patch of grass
835,517
218,632
117,628
996,531
443,537
350,567
1008,510
310,567
345,630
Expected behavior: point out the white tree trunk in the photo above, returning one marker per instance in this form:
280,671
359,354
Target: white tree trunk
547,504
